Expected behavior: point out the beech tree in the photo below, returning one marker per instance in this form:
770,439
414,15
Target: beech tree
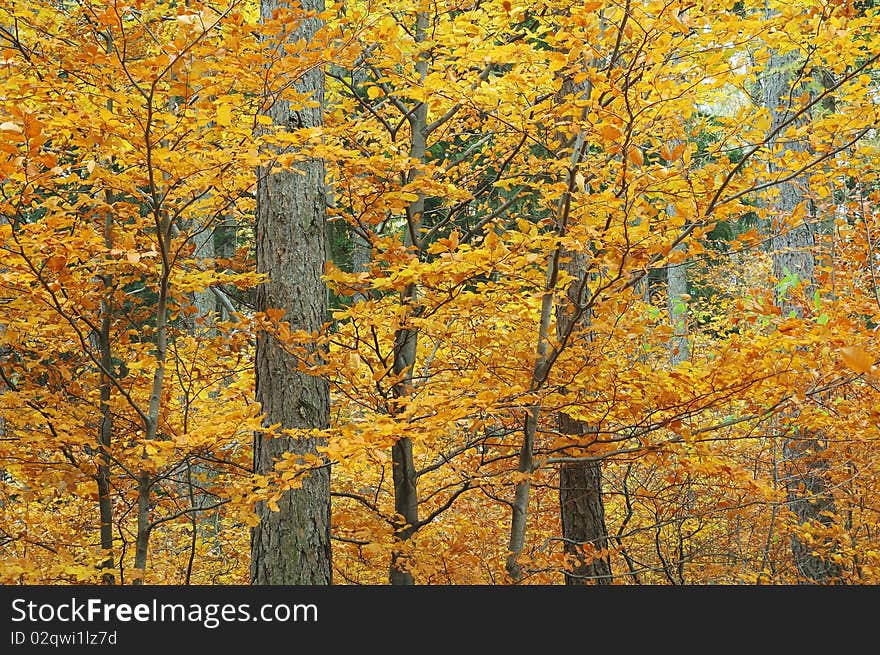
562,293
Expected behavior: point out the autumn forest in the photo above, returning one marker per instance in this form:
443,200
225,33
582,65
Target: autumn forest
439,292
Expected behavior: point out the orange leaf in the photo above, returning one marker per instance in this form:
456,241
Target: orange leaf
636,157
609,132
56,263
670,153
274,314
857,359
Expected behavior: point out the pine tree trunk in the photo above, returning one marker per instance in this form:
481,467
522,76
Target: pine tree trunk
793,255
292,546
581,504
582,509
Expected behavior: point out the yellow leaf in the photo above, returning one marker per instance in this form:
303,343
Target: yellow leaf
684,208
556,60
486,398
857,359
224,115
762,123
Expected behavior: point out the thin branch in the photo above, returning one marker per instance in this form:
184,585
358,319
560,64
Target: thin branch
444,506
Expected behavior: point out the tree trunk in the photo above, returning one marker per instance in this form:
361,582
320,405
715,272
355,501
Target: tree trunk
144,528
406,499
102,475
676,304
105,352
581,505
582,509
793,258
292,546
204,301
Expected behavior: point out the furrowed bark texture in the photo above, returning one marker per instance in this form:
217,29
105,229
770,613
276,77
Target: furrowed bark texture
292,546
582,510
581,505
809,496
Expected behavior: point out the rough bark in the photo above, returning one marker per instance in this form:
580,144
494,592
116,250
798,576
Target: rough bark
581,504
582,509
809,496
292,546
